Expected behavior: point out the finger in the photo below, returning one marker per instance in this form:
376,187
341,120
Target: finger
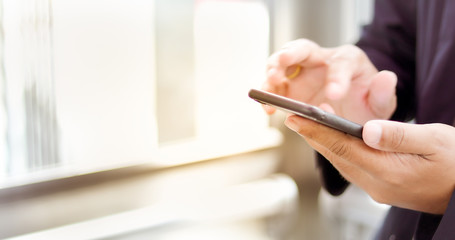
299,52
349,171
339,77
337,145
275,77
344,65
353,159
275,83
280,89
287,64
404,137
268,109
326,107
381,96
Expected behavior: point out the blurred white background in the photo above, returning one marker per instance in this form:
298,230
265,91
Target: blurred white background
130,120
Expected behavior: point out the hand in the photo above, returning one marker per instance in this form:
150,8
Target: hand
405,165
342,77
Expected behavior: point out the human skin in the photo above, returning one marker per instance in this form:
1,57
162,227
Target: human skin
405,165
343,77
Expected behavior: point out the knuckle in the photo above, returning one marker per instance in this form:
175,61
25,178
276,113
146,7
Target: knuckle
350,52
341,149
307,133
349,48
397,139
283,56
356,51
440,139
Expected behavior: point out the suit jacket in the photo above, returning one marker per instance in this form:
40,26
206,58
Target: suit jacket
416,40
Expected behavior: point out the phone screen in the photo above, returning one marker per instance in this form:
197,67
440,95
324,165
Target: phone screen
308,111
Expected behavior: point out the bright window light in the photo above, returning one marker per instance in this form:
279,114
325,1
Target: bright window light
99,84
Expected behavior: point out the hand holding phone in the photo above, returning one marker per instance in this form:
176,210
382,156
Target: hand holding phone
307,111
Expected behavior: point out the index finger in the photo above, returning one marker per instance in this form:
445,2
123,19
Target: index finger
282,65
338,147
344,64
301,52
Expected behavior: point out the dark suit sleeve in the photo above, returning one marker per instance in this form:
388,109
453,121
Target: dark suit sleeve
446,227
407,224
389,42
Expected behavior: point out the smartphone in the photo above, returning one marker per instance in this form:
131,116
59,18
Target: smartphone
307,111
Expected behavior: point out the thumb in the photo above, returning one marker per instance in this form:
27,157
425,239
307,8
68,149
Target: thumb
399,137
381,97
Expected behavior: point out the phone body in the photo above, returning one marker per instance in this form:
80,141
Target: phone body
307,111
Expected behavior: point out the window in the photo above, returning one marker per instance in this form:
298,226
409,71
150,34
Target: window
91,85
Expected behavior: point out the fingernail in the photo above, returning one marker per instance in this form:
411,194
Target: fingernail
372,133
291,124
